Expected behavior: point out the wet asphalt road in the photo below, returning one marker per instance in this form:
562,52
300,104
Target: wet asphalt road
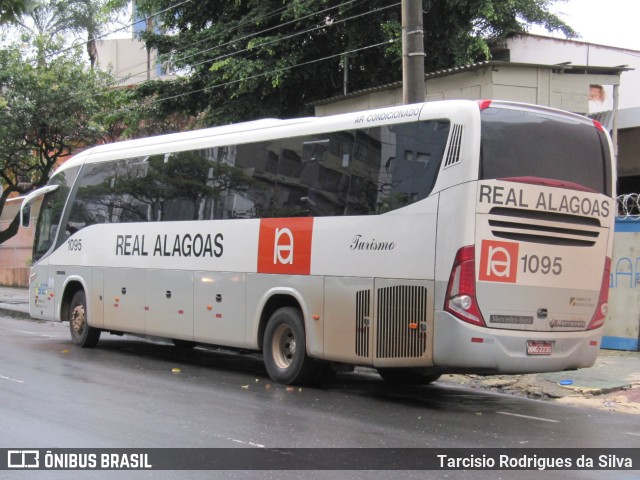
135,393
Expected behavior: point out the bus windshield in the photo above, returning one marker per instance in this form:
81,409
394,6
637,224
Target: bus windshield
51,210
524,143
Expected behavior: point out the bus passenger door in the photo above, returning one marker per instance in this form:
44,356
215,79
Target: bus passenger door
219,308
348,320
124,299
169,304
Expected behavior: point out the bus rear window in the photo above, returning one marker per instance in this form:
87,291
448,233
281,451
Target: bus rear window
521,143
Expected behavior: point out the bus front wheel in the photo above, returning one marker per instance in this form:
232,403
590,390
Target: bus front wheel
82,334
284,349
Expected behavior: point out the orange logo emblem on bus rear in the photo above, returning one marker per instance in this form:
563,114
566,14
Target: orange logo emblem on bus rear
284,245
498,261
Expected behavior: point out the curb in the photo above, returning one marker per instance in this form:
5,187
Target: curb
11,312
595,391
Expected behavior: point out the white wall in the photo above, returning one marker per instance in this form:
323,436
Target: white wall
622,328
496,80
550,51
127,58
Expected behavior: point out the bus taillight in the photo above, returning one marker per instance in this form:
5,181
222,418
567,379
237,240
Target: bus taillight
602,309
461,290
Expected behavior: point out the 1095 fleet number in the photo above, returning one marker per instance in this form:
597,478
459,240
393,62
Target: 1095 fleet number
541,264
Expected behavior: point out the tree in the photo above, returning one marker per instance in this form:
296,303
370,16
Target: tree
460,32
12,9
49,21
46,113
246,59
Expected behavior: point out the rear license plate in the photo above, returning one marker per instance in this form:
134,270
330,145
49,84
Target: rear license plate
539,347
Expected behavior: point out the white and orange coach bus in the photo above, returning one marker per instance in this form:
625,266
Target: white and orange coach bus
452,236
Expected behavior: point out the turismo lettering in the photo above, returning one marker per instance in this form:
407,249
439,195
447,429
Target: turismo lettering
359,243
561,203
186,245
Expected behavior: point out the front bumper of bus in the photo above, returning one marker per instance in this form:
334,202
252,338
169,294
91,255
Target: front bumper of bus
460,346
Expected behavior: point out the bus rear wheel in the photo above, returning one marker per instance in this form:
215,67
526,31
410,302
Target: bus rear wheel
408,376
285,351
82,334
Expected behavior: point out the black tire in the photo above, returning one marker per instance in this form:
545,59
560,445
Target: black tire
408,376
82,334
285,351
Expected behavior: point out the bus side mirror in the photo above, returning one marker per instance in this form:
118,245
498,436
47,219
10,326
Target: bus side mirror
25,208
25,216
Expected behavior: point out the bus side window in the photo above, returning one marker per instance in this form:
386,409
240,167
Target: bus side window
94,201
179,183
418,149
110,192
131,191
364,173
340,172
256,194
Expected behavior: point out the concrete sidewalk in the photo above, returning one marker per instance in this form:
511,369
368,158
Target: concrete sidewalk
14,302
613,383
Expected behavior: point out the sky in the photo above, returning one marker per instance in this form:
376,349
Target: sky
614,23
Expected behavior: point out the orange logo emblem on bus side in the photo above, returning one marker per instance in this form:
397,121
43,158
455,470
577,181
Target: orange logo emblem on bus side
498,261
284,245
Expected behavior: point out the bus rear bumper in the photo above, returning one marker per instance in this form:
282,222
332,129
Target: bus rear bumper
460,346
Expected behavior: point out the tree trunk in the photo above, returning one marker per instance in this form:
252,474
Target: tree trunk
11,230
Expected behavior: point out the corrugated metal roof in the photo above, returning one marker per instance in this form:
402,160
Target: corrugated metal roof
566,68
570,41
605,118
627,118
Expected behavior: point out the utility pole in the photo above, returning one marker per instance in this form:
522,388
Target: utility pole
413,89
149,28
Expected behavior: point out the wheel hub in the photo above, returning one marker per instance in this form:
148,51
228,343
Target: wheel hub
78,319
284,347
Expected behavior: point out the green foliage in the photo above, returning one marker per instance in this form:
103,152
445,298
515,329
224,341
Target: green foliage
248,59
47,24
244,58
10,10
458,32
47,113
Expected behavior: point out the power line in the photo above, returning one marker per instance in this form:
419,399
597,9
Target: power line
241,39
252,77
275,41
288,37
240,25
246,37
99,37
293,35
209,88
